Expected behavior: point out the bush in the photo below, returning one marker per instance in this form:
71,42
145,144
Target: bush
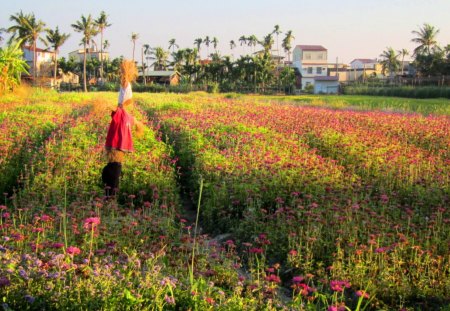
399,91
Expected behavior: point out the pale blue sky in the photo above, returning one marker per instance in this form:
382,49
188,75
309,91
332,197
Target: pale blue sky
347,28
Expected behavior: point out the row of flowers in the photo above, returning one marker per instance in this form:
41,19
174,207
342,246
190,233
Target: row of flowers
320,183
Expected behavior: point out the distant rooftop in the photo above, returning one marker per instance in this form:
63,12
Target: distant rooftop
30,48
364,60
311,47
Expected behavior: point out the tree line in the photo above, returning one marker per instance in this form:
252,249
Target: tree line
258,70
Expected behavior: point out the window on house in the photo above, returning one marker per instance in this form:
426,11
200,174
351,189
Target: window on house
310,69
319,70
307,56
320,56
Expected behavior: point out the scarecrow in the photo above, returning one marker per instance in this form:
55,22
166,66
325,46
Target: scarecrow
119,138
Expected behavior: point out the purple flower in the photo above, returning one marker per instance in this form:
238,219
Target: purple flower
4,281
29,298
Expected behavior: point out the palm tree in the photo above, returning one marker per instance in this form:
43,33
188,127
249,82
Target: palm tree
28,29
198,43
178,58
426,38
106,45
134,37
207,41
145,51
403,53
1,37
215,42
56,40
286,44
252,41
389,61
277,31
267,42
243,40
160,57
232,46
87,27
173,45
102,24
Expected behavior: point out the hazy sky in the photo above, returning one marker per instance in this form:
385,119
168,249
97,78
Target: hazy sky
347,28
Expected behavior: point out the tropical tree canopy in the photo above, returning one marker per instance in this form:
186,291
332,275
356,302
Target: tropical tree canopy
426,38
12,66
88,28
27,29
55,39
389,61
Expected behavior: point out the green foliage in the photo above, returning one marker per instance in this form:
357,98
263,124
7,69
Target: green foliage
400,91
12,66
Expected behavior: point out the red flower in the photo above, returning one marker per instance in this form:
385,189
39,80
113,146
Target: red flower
73,250
91,223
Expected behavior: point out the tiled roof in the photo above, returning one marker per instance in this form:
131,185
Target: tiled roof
364,60
30,48
312,47
161,73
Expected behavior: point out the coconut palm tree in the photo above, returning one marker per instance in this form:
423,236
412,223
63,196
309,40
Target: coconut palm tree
232,46
134,37
426,38
56,39
243,41
173,45
106,45
215,42
207,42
28,29
267,43
277,31
403,53
145,50
390,62
2,30
102,23
161,57
287,43
87,27
198,42
252,41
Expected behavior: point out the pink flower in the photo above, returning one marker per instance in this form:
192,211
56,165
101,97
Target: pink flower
73,250
297,279
339,286
273,278
363,293
256,250
91,223
57,245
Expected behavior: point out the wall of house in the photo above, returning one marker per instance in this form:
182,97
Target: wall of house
360,65
326,87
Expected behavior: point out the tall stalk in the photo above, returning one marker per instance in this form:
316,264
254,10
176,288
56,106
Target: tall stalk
191,270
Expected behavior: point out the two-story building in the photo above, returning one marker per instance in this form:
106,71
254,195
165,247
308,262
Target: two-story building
44,61
91,53
311,61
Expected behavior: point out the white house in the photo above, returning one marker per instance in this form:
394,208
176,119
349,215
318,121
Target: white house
311,61
44,60
78,55
363,63
326,85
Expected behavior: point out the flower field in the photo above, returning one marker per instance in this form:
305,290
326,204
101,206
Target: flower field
320,209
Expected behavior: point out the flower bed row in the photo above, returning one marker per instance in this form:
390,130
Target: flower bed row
64,247
348,231
24,129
